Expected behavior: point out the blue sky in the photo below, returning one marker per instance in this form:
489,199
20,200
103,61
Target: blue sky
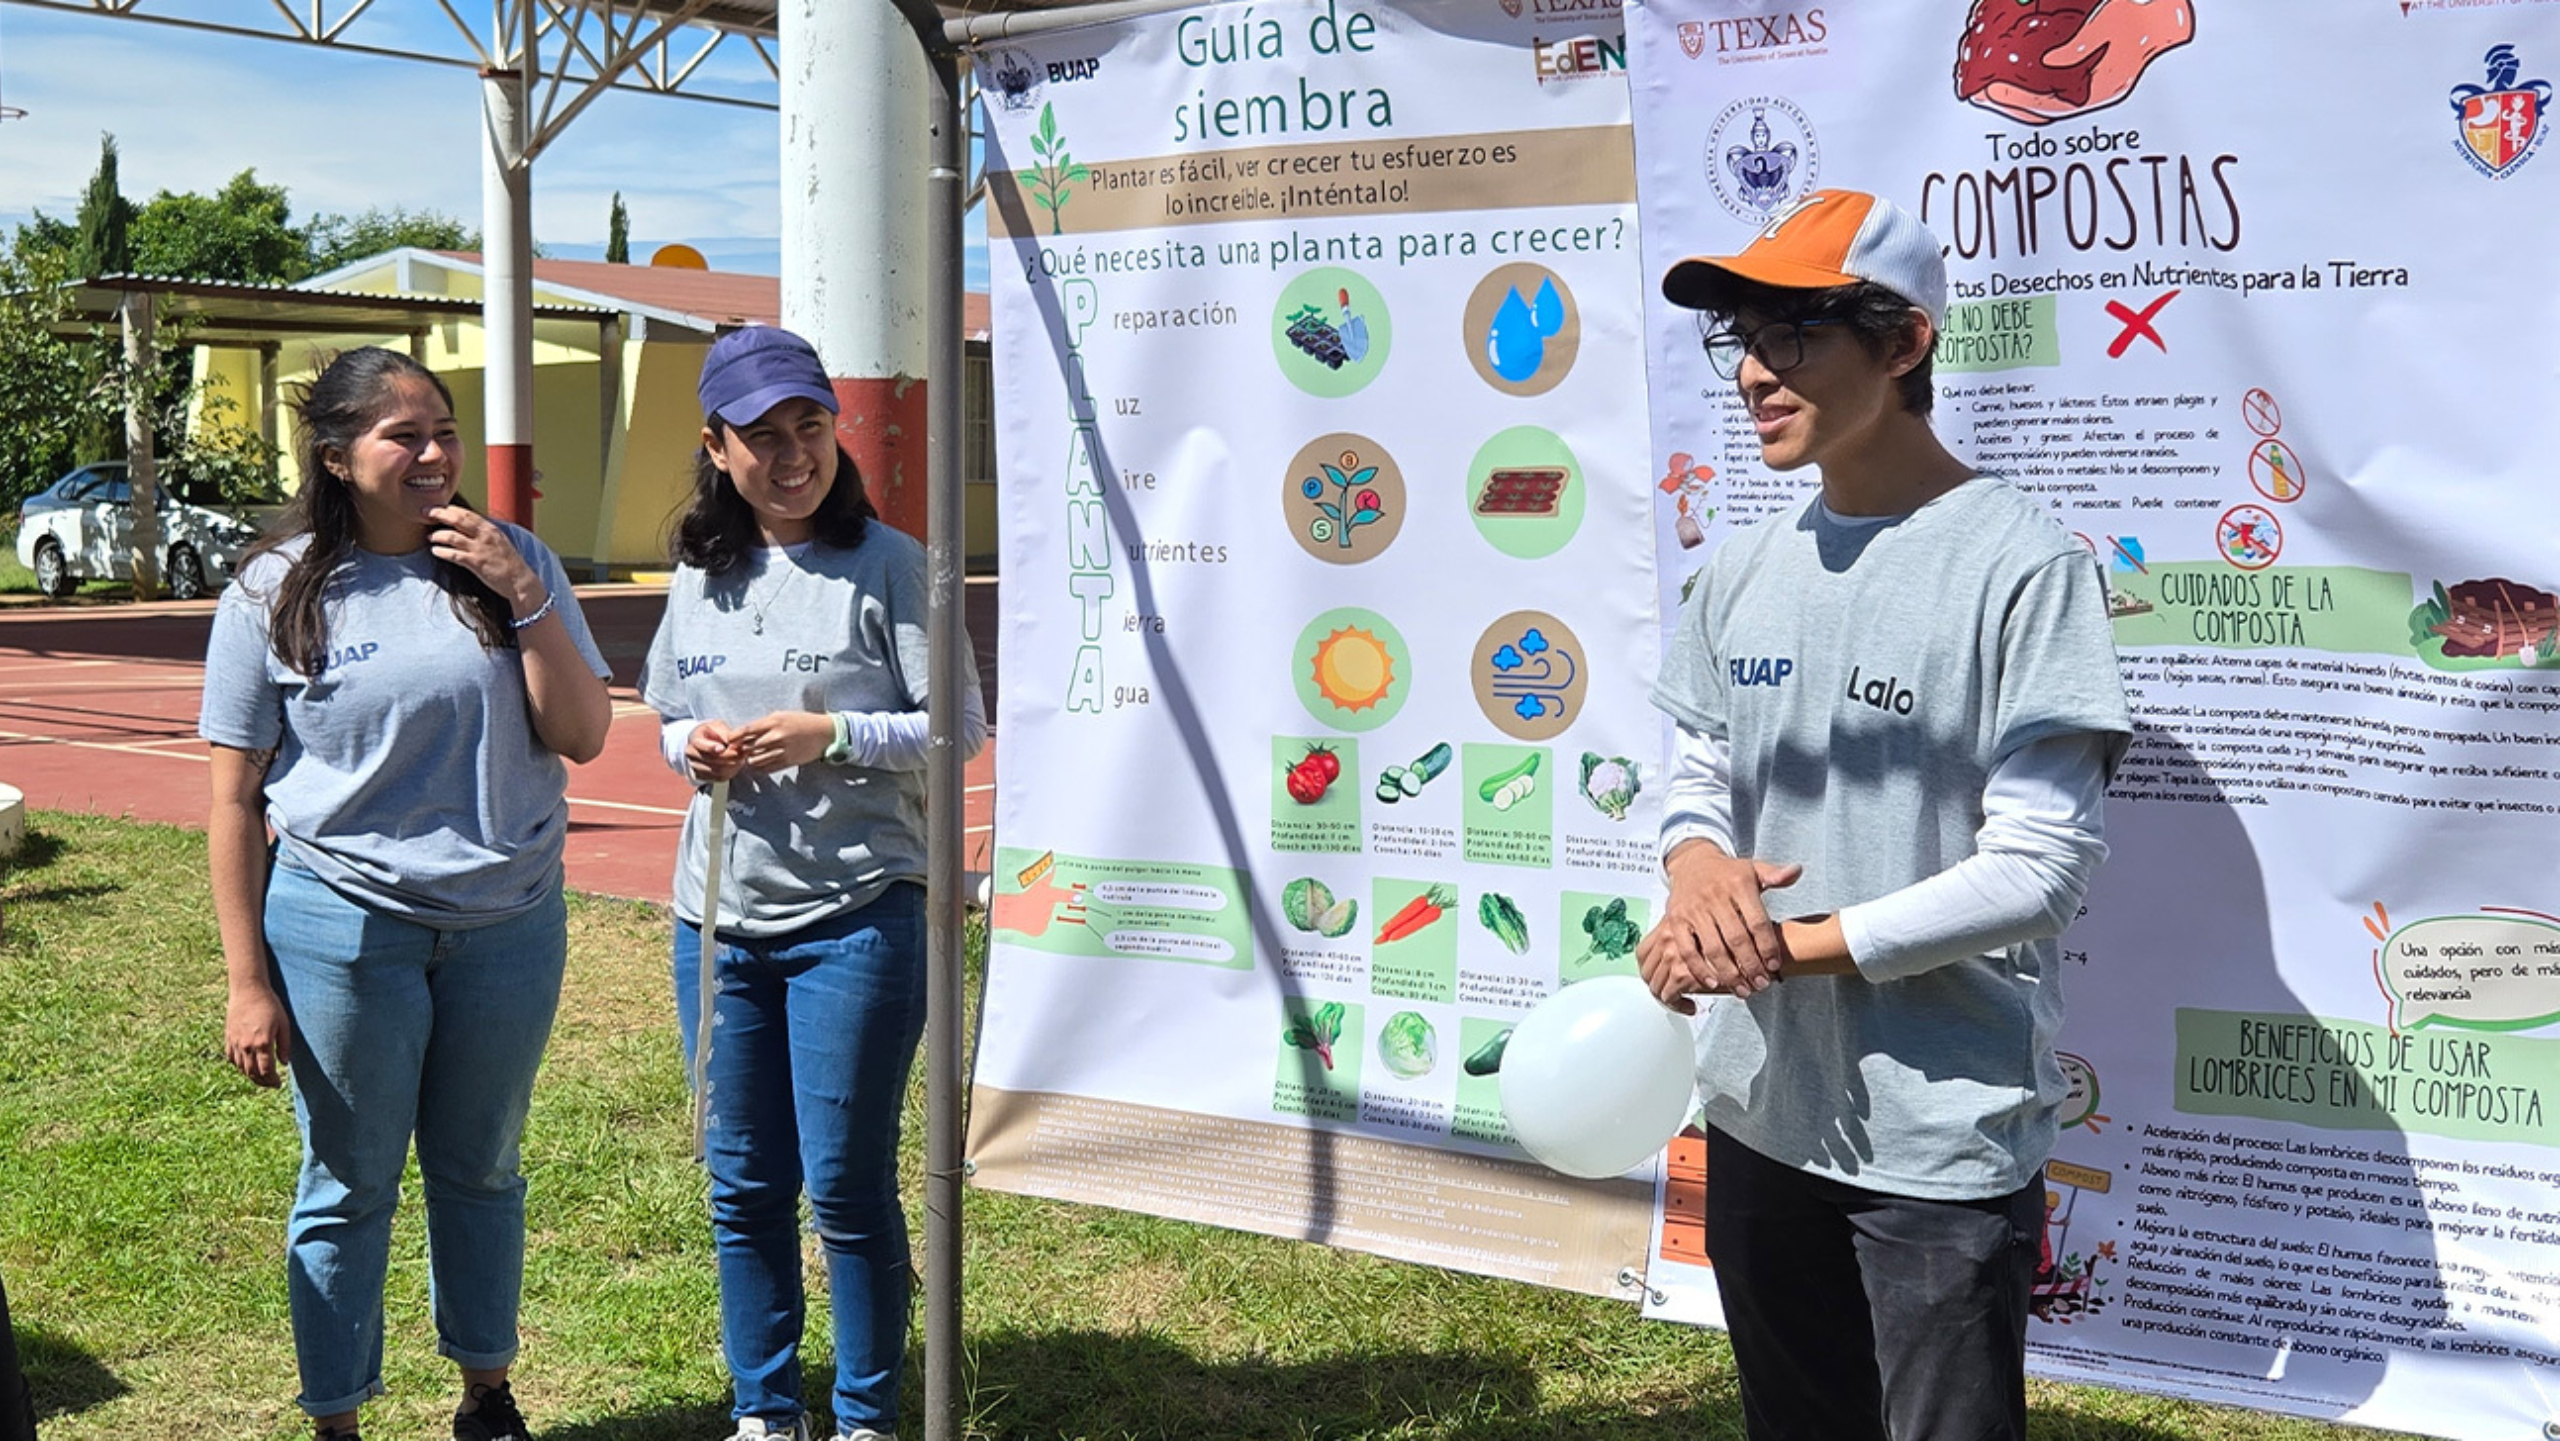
346,132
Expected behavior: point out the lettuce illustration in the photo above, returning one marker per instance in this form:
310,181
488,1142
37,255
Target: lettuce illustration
1408,1044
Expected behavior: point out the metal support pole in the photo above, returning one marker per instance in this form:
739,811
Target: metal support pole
270,392
141,469
970,30
609,457
854,101
506,264
945,200
947,183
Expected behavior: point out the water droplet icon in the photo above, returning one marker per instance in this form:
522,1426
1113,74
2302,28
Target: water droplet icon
1549,311
1513,344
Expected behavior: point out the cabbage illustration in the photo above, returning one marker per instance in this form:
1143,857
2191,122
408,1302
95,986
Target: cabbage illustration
1408,1044
1338,919
1304,901
1310,905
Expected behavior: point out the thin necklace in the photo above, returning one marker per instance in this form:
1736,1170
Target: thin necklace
782,557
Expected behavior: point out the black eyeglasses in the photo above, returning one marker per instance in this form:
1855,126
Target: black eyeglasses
1779,344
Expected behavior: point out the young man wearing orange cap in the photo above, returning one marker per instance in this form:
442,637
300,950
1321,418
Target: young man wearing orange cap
1897,708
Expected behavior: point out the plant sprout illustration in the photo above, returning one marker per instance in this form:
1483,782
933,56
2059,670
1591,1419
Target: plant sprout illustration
1047,183
1346,512
1533,675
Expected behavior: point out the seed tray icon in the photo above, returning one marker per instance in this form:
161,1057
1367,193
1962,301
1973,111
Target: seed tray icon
1531,491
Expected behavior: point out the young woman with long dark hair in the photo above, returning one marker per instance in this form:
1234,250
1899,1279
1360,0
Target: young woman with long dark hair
792,664
392,684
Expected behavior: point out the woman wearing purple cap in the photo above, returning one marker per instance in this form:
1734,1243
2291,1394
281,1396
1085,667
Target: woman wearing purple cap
791,664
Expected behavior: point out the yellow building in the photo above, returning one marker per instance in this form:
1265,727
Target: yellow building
617,349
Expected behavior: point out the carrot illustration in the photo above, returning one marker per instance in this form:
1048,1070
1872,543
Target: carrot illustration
1418,913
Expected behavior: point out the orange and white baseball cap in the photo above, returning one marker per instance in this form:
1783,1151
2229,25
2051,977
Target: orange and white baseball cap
1829,238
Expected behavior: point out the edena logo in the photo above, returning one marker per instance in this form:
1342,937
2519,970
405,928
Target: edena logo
2502,120
1761,154
1583,57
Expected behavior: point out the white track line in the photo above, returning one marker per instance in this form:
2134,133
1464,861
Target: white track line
120,749
626,806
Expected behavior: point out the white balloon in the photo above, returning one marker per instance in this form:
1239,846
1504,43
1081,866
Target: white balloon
1598,1077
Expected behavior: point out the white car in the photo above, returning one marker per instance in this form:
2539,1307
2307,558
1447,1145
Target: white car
81,527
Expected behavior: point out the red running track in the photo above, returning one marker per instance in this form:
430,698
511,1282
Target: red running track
98,714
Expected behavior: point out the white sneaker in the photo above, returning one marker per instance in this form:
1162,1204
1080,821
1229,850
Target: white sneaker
756,1428
865,1433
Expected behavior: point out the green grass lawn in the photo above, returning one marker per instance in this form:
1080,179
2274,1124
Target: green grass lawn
16,579
143,1188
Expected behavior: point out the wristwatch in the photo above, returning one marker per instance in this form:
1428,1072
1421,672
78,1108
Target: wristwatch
840,749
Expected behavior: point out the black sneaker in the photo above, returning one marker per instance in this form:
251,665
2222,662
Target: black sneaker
496,1419
348,1434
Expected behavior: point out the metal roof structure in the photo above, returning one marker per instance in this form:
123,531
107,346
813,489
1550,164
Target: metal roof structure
221,312
582,47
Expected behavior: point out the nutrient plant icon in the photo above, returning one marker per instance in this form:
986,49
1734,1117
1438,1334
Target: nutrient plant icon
1049,182
1346,512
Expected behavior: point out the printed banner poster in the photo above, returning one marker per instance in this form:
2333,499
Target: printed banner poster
1329,616
2258,295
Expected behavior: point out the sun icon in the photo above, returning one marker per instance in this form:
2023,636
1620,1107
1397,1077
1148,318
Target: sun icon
1353,669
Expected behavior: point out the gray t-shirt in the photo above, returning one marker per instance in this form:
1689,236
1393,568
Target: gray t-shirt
1867,679
810,628
407,773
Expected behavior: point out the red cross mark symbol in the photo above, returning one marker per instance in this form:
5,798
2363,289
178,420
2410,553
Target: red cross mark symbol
2137,323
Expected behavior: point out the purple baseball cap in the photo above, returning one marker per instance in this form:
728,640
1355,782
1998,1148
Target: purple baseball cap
752,369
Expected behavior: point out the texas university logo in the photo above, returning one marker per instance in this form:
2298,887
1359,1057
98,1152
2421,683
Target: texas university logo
1693,38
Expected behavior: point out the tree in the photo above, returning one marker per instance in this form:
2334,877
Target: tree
331,241
106,219
105,223
51,392
617,234
240,232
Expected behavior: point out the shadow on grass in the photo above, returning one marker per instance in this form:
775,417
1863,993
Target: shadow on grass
36,851
670,1423
65,1379
1100,1386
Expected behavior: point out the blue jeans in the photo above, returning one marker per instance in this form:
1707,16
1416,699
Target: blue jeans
814,1032
402,1029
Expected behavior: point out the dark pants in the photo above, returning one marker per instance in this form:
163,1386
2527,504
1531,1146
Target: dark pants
17,1408
1861,1316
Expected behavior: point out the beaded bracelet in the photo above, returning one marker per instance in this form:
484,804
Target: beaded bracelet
520,622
